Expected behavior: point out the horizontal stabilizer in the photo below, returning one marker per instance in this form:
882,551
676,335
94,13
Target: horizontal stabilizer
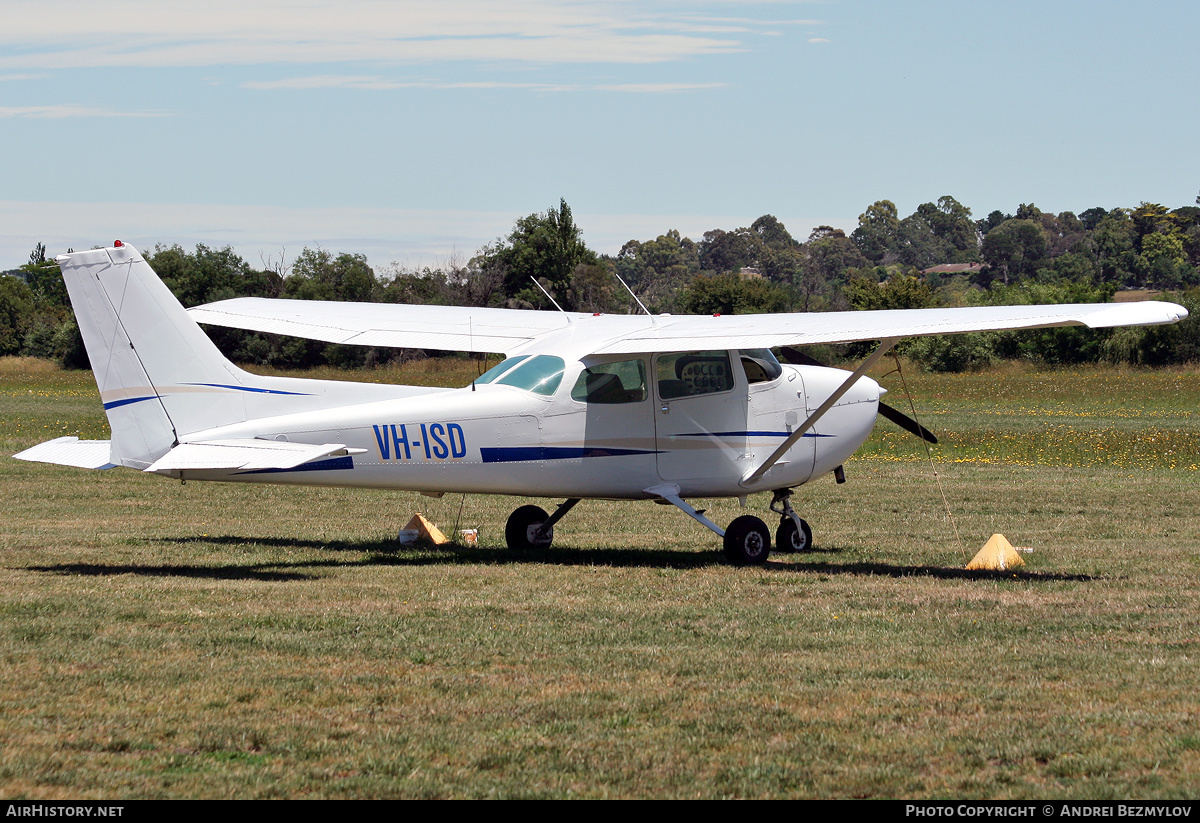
246,454
70,451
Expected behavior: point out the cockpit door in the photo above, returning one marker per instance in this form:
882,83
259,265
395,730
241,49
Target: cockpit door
701,420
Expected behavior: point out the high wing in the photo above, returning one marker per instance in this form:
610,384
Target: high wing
402,326
457,328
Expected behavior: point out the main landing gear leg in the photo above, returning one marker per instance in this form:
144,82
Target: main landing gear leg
747,542
793,534
529,527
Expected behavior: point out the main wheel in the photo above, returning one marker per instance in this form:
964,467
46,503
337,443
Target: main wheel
520,531
747,541
788,539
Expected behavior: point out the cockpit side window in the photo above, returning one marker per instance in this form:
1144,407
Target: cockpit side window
621,382
760,365
688,374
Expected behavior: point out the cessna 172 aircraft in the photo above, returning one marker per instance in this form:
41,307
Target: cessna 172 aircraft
651,407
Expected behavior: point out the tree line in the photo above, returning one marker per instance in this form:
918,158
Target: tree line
937,256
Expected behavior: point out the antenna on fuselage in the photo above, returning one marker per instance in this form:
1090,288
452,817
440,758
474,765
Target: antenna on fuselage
621,280
548,297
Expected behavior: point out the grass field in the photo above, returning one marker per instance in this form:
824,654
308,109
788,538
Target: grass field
167,640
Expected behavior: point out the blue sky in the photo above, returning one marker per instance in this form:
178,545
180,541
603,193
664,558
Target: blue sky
416,131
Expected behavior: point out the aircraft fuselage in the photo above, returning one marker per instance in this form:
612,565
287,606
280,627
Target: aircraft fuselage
501,439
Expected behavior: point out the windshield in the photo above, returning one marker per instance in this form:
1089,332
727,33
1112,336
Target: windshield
540,374
499,369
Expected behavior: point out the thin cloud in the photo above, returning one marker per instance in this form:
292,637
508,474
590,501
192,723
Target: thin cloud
733,25
660,88
378,83
81,33
65,111
325,81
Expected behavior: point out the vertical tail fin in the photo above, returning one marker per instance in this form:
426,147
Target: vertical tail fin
158,373
160,378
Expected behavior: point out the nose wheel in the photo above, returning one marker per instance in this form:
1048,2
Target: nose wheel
793,534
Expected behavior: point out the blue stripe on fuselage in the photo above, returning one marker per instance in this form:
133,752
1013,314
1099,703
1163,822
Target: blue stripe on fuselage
748,434
516,454
332,464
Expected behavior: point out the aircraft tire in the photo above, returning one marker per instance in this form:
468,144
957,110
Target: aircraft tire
518,530
787,539
747,541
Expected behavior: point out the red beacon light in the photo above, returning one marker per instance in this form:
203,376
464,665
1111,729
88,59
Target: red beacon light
117,244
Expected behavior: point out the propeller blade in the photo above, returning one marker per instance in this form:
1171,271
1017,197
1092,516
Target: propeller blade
799,358
905,422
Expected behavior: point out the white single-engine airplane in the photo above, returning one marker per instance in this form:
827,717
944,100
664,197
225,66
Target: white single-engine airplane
653,407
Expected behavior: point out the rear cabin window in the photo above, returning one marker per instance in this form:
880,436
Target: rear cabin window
693,373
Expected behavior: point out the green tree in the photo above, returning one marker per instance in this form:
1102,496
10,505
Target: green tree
994,218
780,257
728,293
657,270
1057,346
546,247
919,245
729,251
208,275
318,275
1092,217
45,279
878,232
827,257
16,309
900,291
771,232
1111,245
1159,345
1150,219
1015,248
950,222
595,289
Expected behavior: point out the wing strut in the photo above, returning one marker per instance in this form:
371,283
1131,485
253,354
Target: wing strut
884,347
670,493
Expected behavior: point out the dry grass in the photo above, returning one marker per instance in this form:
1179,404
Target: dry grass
23,366
200,640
